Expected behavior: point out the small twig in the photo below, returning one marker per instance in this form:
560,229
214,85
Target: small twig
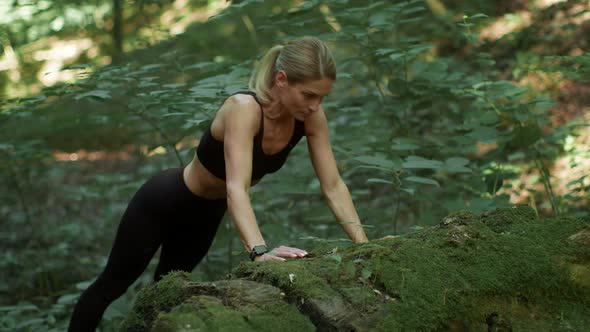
157,128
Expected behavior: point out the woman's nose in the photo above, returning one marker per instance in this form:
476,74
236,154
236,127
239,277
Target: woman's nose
313,107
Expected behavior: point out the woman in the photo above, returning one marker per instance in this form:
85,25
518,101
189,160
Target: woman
250,136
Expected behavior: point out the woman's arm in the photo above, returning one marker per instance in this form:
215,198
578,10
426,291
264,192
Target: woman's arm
333,188
241,118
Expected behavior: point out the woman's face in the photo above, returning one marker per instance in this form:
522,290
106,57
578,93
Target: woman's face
303,99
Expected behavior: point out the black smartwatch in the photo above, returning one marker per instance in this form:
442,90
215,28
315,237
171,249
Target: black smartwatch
258,251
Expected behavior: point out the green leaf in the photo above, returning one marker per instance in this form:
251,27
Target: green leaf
395,56
479,15
380,20
519,155
545,104
376,4
376,161
174,85
175,114
146,84
153,66
83,284
366,273
19,307
457,165
375,180
403,147
68,298
480,204
419,48
430,70
375,168
29,322
204,92
421,163
402,144
336,257
422,180
409,190
484,134
199,65
410,20
99,94
383,51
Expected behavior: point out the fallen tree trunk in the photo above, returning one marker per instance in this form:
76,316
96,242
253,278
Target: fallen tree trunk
499,271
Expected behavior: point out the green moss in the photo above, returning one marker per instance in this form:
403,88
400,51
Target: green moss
580,274
520,262
178,304
182,318
133,322
501,219
208,313
445,274
295,277
505,269
161,296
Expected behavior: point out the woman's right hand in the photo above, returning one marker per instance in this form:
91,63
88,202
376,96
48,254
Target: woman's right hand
280,253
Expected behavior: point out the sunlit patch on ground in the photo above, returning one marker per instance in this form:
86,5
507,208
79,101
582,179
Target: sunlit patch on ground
574,101
177,19
59,54
128,152
91,155
546,3
509,23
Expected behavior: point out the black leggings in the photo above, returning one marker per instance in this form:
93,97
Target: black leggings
162,212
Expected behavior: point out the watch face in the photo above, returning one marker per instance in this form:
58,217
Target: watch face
258,251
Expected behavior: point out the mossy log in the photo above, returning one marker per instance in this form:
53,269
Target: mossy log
498,271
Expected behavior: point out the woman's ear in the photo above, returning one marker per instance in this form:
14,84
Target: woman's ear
281,79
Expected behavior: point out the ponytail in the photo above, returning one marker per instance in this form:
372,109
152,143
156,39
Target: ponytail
262,78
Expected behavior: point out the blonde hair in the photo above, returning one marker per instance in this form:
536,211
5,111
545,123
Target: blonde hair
303,59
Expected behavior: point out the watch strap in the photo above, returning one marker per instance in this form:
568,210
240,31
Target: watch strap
258,251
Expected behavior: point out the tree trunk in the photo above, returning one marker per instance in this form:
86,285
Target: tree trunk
117,27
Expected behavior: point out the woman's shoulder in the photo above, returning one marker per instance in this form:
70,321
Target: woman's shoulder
242,109
241,100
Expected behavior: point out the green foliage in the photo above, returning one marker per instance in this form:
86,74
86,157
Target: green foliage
414,103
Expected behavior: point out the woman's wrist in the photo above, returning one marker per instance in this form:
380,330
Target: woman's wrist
258,251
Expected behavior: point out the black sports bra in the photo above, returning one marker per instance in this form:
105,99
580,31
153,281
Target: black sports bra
210,150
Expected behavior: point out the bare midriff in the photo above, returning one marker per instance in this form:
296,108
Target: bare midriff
203,183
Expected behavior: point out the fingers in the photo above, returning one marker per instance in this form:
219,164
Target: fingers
289,252
280,253
268,257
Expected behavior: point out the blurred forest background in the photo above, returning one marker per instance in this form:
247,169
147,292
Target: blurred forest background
439,106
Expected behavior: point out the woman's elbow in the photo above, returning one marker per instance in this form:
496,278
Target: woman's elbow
235,191
333,187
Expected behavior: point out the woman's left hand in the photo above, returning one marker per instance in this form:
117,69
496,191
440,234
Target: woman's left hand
288,252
